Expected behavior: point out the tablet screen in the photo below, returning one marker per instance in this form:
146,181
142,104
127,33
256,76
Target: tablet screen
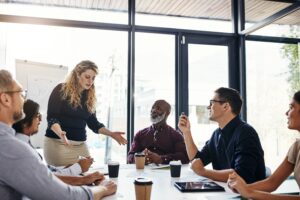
198,186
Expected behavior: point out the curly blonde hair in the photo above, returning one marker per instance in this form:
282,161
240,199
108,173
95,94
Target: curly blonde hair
71,91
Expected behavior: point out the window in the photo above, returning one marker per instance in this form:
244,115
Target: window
154,76
270,86
206,74
67,47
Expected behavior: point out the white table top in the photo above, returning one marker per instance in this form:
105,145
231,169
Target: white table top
163,184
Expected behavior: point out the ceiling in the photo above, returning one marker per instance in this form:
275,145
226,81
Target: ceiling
255,10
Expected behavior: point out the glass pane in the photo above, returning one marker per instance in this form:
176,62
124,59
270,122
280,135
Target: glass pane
272,78
154,76
206,74
116,11
282,28
66,47
257,10
214,15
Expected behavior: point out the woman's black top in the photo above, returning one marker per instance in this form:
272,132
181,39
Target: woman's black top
72,120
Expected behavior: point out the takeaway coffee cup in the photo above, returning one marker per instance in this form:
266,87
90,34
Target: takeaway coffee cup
113,169
139,159
143,188
175,168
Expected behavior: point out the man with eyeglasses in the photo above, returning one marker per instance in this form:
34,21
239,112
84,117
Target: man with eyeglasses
22,174
160,142
234,146
21,91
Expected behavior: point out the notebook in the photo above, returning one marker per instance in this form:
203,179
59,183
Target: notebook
199,186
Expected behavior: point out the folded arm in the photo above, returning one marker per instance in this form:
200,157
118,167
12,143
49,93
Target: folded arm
260,189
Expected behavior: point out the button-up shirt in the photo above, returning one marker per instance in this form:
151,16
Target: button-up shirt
236,146
72,170
165,141
23,174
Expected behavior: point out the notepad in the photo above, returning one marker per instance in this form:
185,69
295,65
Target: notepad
199,186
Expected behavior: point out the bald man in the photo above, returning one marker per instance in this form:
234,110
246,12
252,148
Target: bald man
160,142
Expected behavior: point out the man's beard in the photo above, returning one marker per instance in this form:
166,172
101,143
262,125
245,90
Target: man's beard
17,116
158,118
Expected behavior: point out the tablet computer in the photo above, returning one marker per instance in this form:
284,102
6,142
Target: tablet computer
199,186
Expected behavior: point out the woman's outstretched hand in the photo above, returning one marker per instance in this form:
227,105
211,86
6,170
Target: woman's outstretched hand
118,136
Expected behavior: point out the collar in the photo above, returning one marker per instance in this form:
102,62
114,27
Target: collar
23,137
159,128
230,127
5,129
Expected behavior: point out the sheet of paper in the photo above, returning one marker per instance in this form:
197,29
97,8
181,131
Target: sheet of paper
159,166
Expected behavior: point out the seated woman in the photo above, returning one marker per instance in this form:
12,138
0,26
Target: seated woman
30,126
291,163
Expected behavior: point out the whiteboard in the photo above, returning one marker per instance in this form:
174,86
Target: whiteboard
39,79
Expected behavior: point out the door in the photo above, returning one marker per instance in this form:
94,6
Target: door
207,64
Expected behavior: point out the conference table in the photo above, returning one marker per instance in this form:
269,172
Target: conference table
163,184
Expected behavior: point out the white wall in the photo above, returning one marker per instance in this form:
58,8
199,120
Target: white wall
39,79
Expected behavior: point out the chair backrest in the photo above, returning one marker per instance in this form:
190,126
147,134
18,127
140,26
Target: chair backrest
268,172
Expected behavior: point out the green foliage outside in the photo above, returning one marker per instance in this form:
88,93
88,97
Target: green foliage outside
291,52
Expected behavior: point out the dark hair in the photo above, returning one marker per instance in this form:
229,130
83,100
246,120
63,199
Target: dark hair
296,97
231,96
31,109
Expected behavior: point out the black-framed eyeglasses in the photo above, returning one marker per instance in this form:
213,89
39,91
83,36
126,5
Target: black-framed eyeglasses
214,101
22,92
39,116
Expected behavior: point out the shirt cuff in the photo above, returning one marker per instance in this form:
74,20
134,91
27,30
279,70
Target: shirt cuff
52,121
166,159
75,169
198,155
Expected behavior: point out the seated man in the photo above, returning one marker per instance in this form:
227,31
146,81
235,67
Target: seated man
234,146
30,126
22,174
160,142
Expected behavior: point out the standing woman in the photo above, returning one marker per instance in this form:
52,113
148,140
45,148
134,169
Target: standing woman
71,107
261,190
